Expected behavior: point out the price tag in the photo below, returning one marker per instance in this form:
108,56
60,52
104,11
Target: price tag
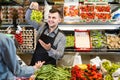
82,40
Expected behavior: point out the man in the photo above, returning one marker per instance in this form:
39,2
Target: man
50,40
9,65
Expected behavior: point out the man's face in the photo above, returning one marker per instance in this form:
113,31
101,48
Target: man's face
53,19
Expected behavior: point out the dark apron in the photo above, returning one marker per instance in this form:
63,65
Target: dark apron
40,53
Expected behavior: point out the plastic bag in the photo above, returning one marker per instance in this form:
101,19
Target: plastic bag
70,60
116,73
96,61
17,34
77,59
46,10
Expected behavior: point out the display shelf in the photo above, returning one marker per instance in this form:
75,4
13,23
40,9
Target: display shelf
70,27
22,25
71,49
93,53
28,38
88,26
73,26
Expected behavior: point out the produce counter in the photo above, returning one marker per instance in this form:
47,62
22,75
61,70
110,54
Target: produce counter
106,70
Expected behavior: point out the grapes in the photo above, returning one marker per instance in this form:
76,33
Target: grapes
108,77
36,16
113,68
106,64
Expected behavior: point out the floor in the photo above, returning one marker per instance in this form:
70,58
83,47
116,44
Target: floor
26,58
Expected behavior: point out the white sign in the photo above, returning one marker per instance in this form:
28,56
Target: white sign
68,1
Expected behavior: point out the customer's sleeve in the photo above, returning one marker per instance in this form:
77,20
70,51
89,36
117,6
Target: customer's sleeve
29,21
9,57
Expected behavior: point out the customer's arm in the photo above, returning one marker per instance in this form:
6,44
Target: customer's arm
8,54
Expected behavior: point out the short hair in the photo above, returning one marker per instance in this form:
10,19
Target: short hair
54,10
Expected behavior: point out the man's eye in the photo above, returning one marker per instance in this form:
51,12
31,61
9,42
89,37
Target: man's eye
54,18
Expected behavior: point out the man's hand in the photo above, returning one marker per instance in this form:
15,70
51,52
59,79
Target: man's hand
44,45
34,5
38,64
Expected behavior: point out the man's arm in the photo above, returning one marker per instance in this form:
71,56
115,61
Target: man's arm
59,52
29,21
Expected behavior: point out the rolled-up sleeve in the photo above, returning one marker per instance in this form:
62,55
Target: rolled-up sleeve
60,44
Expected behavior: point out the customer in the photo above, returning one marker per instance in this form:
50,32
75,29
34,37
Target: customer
9,65
0,15
50,40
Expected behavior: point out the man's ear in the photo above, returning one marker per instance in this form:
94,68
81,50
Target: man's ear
60,20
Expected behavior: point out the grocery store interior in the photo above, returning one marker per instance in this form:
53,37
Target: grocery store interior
92,28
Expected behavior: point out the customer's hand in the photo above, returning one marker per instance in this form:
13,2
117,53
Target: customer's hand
44,45
34,5
38,64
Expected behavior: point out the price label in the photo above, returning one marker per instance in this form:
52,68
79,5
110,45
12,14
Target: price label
82,39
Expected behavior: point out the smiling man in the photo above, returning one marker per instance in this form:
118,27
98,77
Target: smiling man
50,40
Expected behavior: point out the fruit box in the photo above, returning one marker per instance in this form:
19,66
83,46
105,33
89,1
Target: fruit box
86,8
102,8
82,40
71,12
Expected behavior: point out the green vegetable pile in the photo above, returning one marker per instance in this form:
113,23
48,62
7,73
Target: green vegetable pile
70,41
98,39
49,72
36,16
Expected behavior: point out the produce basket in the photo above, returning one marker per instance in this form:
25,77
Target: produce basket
69,40
113,41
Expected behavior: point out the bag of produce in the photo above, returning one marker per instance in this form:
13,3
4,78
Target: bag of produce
46,10
70,60
96,61
110,70
116,74
105,65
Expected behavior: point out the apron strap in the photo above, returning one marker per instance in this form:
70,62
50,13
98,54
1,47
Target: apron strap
39,32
